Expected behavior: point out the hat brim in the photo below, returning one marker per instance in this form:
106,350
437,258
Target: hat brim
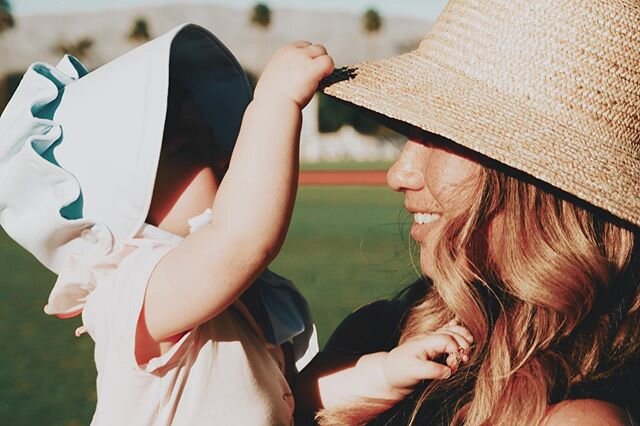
415,89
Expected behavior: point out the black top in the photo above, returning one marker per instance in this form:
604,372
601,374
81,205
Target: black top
377,327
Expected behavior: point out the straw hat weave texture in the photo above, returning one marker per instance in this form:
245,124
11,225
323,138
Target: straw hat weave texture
551,88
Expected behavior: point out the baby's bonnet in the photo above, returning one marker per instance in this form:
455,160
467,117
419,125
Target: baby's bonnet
80,149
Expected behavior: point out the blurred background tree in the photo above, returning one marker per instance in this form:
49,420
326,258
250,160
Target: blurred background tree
80,48
140,31
261,19
261,16
6,17
333,114
371,25
6,23
371,21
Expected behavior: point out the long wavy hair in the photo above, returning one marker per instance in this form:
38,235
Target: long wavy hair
548,287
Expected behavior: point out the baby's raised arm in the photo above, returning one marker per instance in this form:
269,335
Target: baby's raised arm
211,268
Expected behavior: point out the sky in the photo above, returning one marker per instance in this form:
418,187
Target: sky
425,9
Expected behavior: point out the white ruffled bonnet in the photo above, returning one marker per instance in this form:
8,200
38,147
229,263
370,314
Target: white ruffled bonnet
79,151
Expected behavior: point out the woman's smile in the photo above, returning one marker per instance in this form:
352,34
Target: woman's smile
423,224
424,218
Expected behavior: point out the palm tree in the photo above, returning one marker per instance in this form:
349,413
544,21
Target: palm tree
79,48
371,21
6,17
371,24
140,31
261,16
261,19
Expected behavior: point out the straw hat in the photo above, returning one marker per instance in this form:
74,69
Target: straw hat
79,151
551,88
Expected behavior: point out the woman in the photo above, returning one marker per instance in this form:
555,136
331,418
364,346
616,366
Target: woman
521,173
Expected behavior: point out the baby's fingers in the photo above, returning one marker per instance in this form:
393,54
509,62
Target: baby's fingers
316,50
454,346
301,44
454,359
462,335
428,370
432,346
464,346
323,66
459,329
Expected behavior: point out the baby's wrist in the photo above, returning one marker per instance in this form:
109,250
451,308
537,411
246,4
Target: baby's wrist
274,99
268,105
372,371
274,93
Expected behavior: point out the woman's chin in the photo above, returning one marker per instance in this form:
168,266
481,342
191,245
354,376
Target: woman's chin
426,261
421,232
426,237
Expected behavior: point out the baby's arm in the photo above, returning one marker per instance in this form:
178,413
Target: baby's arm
211,268
383,377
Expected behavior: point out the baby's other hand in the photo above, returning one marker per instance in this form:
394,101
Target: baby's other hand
294,72
418,359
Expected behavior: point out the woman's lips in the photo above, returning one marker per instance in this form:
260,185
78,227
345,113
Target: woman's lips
422,223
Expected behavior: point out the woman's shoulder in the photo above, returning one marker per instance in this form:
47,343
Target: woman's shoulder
371,328
376,326
587,412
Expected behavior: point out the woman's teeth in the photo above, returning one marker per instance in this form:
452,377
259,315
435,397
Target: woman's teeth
423,218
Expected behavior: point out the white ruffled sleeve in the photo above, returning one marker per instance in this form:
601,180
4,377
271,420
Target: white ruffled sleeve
112,309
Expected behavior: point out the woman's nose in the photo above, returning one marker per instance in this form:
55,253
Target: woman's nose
406,173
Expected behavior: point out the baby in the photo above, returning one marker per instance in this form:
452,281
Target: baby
199,352
113,179
169,273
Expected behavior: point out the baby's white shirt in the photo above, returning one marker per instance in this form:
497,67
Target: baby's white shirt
221,372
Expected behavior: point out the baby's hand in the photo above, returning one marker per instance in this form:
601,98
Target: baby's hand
400,370
293,73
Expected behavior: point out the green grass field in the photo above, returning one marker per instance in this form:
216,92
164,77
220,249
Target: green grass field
346,165
346,247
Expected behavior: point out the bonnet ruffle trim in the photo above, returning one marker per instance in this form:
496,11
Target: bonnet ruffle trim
27,121
81,274
34,188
